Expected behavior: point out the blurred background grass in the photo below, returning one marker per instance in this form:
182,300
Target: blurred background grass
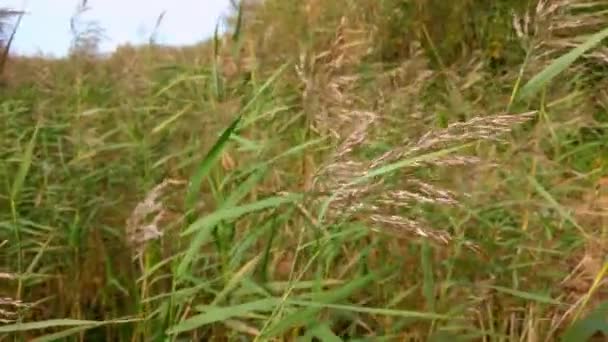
169,193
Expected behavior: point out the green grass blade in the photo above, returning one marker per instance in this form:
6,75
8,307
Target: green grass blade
236,280
213,314
176,81
238,251
58,336
52,323
324,333
203,235
541,79
244,188
288,153
24,166
386,169
207,163
203,227
239,23
584,329
306,316
428,283
371,311
160,127
45,324
261,90
558,207
526,295
247,145
230,213
282,286
218,85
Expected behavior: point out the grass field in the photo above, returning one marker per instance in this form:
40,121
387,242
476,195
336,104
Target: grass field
327,171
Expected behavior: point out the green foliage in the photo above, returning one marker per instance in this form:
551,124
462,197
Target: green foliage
466,26
540,80
587,327
242,244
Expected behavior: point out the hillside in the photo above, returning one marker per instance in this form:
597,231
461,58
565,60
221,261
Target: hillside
335,171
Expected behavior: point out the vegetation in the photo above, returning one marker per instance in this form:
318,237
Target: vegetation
7,34
337,170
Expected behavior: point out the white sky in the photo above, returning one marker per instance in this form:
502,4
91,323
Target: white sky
46,26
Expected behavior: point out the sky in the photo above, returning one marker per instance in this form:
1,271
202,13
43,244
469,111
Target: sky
45,28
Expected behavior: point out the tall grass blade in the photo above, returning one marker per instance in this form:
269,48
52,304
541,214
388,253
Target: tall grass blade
24,166
306,316
205,166
597,283
540,80
261,90
160,127
236,280
239,23
52,323
203,227
230,213
428,282
526,295
218,85
558,207
245,188
324,333
202,236
371,311
584,329
61,335
213,314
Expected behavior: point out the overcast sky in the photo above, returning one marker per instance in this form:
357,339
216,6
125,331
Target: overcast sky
46,26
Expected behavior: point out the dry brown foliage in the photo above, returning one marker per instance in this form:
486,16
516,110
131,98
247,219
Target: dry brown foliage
553,27
144,223
328,95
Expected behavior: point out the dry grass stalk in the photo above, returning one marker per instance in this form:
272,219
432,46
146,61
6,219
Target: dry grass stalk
376,202
479,128
399,89
9,309
144,221
328,97
373,200
578,284
401,225
9,276
9,306
328,80
555,26
591,211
